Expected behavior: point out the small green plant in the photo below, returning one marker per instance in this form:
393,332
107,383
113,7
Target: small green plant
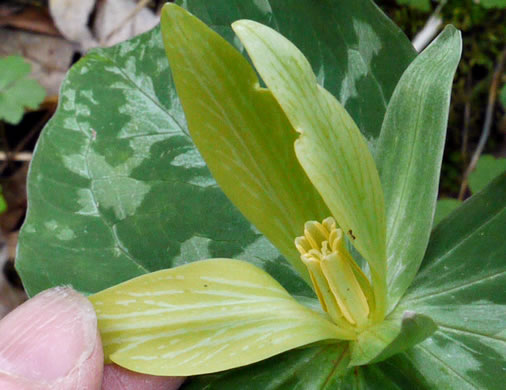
16,90
355,292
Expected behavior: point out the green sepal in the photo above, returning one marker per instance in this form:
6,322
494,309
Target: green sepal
17,91
397,333
409,155
204,317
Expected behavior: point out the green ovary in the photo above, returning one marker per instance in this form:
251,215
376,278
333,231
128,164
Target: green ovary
343,290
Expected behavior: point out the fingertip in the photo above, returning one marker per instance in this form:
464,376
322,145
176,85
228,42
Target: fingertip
52,339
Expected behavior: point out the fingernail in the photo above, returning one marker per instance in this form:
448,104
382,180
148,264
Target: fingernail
47,337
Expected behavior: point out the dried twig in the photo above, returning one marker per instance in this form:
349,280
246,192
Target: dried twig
492,95
22,156
4,141
467,117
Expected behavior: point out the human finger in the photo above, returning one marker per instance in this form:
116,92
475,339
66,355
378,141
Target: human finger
118,378
51,342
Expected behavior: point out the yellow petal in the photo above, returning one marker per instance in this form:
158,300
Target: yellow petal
330,147
241,132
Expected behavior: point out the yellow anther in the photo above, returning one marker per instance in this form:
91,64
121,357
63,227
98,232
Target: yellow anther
339,283
315,233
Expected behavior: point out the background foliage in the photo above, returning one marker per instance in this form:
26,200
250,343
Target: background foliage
483,31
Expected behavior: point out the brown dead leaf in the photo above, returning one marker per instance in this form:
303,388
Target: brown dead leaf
119,20
71,18
32,19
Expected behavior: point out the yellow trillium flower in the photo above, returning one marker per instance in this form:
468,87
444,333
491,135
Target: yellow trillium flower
294,162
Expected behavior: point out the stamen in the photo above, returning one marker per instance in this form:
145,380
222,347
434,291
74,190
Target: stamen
334,273
315,233
302,245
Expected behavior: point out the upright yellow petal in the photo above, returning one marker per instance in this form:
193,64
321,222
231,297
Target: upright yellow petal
240,130
330,147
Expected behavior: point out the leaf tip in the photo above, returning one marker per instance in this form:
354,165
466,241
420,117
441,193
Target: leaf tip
244,24
453,36
171,7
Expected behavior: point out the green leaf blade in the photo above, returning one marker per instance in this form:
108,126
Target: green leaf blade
241,132
415,128
313,368
445,207
203,317
323,367
493,4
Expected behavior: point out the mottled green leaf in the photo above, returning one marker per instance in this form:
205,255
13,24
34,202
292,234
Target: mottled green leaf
116,185
330,147
487,169
316,368
16,90
461,287
410,150
204,317
241,132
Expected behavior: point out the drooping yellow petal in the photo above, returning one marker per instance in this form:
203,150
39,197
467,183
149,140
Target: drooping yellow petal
330,147
204,317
